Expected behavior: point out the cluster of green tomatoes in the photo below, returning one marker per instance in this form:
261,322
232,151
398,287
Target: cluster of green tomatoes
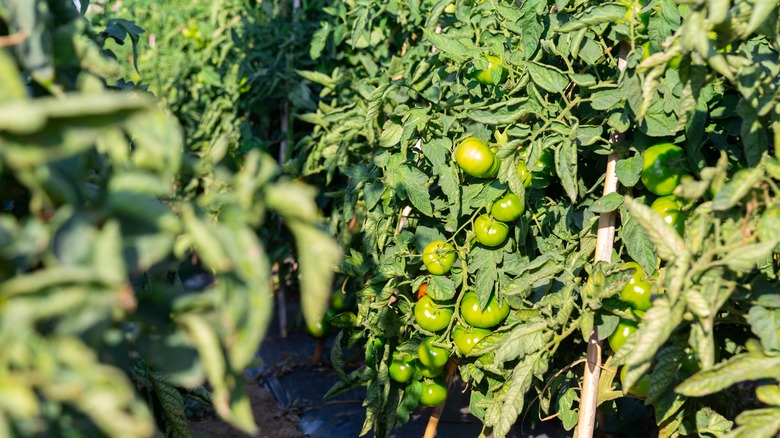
490,229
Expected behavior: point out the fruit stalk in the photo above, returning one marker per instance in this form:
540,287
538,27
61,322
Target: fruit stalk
605,240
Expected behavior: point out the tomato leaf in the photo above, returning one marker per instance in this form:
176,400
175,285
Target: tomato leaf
745,366
441,288
566,167
547,78
765,324
629,170
736,189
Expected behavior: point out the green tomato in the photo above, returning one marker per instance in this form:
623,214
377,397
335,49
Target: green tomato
402,368
475,158
490,232
623,331
541,172
492,315
438,257
432,356
428,372
321,329
662,168
636,293
430,315
690,363
434,392
339,300
669,209
525,175
507,209
466,338
485,77
640,389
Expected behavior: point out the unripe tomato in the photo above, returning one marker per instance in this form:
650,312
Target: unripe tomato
428,372
402,368
663,166
490,232
430,355
525,175
321,329
624,329
430,315
669,209
690,363
507,209
476,159
636,293
339,300
490,316
434,392
485,77
438,257
467,337
640,389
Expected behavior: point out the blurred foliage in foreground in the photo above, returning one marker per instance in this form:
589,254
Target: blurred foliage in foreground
132,265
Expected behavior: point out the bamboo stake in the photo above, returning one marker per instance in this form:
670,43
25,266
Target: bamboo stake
605,240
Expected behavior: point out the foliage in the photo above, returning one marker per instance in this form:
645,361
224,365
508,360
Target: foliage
404,95
131,260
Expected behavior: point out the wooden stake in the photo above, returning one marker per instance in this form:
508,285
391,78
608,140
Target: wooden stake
605,240
433,422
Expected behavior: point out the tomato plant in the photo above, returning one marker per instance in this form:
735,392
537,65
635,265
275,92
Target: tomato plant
430,315
578,99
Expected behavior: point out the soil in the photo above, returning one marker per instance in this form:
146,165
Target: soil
273,421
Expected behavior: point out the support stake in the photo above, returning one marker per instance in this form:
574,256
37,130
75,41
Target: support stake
605,240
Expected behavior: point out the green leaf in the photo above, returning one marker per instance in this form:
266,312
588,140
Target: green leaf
745,258
414,182
765,324
668,243
757,423
740,185
607,203
566,167
740,368
629,170
547,78
441,288
601,14
318,255
454,49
